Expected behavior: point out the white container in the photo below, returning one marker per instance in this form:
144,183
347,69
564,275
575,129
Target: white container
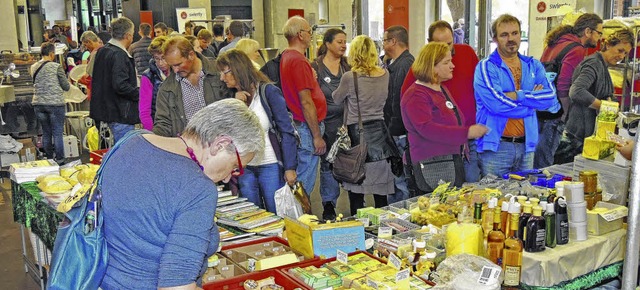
577,231
574,192
577,212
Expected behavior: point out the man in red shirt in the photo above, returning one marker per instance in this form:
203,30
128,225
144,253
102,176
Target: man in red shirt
460,86
304,99
584,34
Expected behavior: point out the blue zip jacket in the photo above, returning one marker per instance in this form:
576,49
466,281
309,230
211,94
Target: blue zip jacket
492,79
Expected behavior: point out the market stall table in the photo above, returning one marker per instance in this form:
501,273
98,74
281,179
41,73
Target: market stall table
586,263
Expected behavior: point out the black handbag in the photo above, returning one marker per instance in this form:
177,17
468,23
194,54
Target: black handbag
349,164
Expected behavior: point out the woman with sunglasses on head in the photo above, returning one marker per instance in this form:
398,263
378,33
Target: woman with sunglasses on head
330,65
159,197
150,82
268,172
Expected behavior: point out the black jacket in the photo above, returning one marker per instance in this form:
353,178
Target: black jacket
140,53
114,87
397,72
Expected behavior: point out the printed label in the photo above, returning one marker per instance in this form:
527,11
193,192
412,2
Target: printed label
365,221
385,232
512,275
489,275
402,275
342,257
394,261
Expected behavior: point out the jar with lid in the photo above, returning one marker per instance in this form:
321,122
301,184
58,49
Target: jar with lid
590,180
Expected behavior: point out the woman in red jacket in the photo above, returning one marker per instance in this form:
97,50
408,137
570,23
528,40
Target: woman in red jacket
436,129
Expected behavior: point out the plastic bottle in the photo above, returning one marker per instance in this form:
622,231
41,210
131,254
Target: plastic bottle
522,222
543,205
550,223
536,231
562,221
488,216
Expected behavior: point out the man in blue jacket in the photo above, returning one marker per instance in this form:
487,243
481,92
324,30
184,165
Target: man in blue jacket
509,88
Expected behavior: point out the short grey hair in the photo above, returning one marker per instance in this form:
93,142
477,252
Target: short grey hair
228,117
89,36
120,27
293,26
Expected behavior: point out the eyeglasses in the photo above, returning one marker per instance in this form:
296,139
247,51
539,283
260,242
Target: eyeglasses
599,32
307,31
159,59
387,39
240,170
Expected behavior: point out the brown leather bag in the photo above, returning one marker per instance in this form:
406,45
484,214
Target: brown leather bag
349,164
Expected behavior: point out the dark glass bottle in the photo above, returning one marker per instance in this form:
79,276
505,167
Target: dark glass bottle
535,232
522,222
562,221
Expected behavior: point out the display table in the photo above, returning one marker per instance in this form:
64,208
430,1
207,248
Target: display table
592,261
30,210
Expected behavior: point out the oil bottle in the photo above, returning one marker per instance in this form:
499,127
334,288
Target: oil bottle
536,231
522,222
512,253
550,223
562,221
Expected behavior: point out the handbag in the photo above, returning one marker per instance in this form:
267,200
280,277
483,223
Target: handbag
349,164
80,255
448,168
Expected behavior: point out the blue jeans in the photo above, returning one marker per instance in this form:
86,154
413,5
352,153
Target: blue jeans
400,182
307,162
329,186
118,130
473,165
259,184
51,120
548,141
510,157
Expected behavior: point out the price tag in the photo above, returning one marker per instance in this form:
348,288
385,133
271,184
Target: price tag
402,275
365,221
385,232
371,283
342,257
405,216
489,275
384,216
394,261
251,264
413,206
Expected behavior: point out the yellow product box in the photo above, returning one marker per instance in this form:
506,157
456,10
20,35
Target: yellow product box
325,239
596,148
604,127
605,217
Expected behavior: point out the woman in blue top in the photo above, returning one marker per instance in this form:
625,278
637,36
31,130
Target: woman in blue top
159,197
263,175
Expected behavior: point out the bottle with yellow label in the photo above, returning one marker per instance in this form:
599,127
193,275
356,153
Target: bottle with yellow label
512,253
495,240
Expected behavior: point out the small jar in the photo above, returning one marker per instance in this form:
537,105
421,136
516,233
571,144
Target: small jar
590,180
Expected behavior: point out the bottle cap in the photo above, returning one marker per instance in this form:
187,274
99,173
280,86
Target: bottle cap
543,204
537,210
514,208
534,201
493,202
419,244
560,201
527,207
430,255
549,208
521,198
505,206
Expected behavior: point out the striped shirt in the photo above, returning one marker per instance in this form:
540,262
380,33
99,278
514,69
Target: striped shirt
192,96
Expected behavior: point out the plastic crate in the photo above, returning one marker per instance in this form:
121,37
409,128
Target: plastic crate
236,283
95,157
408,225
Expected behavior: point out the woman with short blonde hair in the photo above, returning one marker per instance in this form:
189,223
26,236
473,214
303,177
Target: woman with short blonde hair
250,47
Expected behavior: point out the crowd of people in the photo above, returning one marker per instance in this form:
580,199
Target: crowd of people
442,115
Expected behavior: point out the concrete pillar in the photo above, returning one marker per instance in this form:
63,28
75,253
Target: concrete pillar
279,11
421,15
340,13
259,21
54,10
8,35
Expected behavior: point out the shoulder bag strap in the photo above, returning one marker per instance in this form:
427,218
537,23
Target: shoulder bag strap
38,70
360,126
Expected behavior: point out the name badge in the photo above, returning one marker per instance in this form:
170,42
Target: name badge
449,104
327,80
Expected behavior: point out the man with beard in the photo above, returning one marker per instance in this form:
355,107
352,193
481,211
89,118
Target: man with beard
566,46
509,88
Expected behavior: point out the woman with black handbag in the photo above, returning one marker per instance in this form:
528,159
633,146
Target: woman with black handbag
364,105
435,127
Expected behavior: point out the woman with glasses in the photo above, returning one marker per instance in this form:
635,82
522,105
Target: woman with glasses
330,65
159,197
373,83
268,172
590,85
150,81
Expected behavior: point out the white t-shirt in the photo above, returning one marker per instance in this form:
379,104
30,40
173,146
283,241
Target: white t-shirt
269,155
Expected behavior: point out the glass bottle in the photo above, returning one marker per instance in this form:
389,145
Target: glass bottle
477,213
512,253
524,218
536,231
504,216
495,240
550,223
562,221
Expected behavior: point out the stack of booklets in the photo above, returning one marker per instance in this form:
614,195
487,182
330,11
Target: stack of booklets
239,213
28,171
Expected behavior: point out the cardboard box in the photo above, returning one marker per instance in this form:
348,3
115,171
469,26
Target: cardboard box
29,151
325,239
596,148
262,256
7,159
605,217
603,128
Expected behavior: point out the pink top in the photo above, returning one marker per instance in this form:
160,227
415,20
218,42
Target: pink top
144,104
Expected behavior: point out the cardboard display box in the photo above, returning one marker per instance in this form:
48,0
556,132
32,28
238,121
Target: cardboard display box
262,256
605,217
324,239
7,159
225,269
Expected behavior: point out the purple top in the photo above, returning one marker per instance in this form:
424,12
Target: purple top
144,105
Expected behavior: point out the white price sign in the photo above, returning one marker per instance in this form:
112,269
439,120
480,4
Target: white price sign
385,232
365,221
489,275
342,257
402,275
394,261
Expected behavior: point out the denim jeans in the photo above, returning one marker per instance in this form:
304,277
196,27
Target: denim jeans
51,120
400,182
472,165
510,157
259,184
329,186
548,141
118,130
307,161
